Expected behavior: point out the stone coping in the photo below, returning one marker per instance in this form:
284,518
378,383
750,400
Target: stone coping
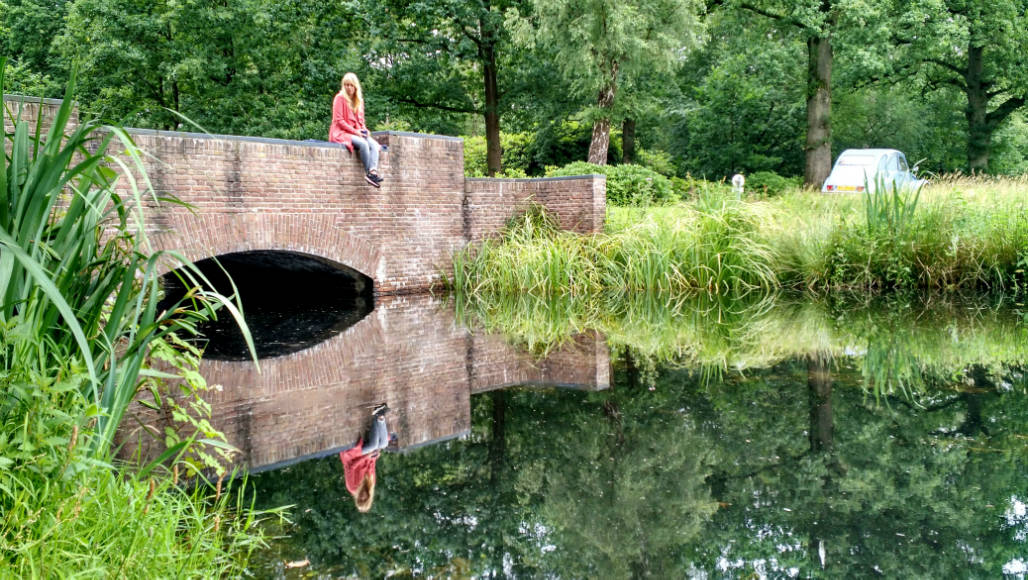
274,141
251,139
29,99
337,450
532,179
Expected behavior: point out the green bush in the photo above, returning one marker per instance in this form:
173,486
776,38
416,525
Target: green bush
691,188
627,185
770,183
517,155
657,160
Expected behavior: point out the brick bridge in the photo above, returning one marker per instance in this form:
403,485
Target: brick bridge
310,200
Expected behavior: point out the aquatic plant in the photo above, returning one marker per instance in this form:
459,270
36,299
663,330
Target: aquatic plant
957,234
79,321
75,268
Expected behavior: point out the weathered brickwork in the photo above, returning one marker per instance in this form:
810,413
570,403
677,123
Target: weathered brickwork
579,203
249,193
408,352
28,109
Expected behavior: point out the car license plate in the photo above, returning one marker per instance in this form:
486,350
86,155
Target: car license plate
846,188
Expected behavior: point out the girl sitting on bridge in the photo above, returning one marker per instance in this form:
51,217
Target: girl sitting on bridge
349,129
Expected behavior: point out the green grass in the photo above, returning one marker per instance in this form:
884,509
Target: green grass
68,514
957,234
79,330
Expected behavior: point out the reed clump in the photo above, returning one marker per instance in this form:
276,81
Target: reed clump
79,323
711,246
957,234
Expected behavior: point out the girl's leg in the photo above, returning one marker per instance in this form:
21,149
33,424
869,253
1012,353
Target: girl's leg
378,436
364,150
373,150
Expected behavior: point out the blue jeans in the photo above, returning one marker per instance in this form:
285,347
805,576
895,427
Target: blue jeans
368,149
378,436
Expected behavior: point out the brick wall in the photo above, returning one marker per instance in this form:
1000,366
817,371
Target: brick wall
251,193
28,109
579,203
408,352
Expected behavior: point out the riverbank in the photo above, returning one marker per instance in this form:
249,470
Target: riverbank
960,234
80,336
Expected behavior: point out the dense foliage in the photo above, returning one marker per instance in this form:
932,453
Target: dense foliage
80,334
723,88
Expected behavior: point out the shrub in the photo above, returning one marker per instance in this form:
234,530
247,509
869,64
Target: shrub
770,183
627,185
657,160
517,155
691,188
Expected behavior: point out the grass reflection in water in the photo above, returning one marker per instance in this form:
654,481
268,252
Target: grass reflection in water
777,462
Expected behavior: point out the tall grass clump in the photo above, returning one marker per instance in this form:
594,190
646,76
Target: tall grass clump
712,247
956,234
79,320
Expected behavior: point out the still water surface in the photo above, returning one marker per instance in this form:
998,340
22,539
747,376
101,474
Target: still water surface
783,441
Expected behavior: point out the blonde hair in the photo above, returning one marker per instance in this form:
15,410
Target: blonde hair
358,97
365,493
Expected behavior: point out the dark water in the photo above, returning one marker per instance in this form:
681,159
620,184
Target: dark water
857,444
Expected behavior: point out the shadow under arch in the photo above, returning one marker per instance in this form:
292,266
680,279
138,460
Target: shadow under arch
291,301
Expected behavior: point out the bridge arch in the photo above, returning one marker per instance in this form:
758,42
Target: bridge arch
198,237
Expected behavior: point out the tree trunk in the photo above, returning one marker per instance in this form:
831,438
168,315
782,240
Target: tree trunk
979,131
498,440
819,111
600,142
819,386
628,141
493,148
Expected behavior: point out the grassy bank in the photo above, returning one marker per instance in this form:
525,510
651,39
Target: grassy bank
80,334
958,234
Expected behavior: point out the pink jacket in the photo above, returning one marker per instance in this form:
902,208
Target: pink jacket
345,121
356,466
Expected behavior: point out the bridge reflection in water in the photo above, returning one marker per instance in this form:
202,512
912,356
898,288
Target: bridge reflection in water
408,352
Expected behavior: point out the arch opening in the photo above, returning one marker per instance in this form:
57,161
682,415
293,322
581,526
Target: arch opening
291,301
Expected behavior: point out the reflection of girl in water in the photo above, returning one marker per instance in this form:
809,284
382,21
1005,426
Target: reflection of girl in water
359,460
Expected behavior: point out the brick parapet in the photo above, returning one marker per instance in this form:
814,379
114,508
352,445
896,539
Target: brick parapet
29,109
252,193
578,203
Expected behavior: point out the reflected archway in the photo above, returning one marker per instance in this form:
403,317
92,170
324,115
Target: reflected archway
291,301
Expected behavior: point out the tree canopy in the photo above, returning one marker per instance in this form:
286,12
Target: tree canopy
690,88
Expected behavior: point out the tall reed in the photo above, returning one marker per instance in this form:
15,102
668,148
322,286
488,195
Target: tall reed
79,290
75,267
712,248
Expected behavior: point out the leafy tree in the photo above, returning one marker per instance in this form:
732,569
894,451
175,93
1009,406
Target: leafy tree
739,108
27,30
977,49
232,66
445,55
600,43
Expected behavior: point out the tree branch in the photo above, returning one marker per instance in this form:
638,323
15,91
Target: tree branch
772,15
1003,111
946,65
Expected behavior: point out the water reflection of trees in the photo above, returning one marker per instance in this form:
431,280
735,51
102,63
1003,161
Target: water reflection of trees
753,474
800,456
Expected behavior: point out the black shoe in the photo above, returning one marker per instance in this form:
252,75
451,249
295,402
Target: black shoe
380,410
371,179
376,177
